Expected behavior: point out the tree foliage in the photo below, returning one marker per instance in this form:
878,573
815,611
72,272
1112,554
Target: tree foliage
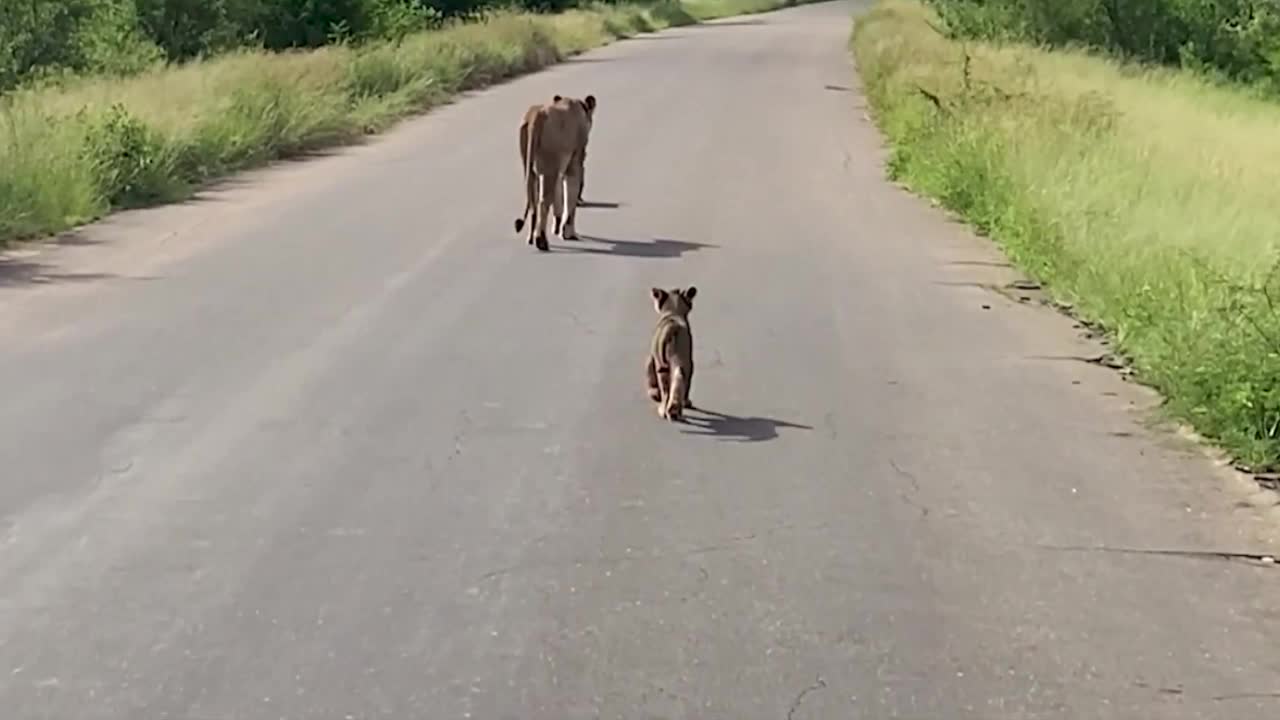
1235,39
38,37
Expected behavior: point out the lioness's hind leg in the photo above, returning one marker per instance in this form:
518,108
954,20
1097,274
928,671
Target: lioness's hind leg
651,379
557,206
531,204
535,188
546,196
688,388
573,184
582,177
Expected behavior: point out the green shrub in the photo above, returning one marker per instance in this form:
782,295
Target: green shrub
45,182
74,149
1234,39
39,40
1143,198
132,163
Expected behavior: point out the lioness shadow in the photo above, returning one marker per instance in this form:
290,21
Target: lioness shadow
733,428
599,205
659,248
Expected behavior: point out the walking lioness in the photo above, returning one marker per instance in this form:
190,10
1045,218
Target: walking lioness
669,369
553,146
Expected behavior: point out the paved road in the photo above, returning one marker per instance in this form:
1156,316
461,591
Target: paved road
334,443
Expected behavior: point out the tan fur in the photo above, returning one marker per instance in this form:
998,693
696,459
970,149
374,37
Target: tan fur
669,368
553,146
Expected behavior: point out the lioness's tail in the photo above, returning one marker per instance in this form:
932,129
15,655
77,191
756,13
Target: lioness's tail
532,141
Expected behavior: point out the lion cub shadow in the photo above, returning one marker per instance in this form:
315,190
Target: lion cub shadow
733,428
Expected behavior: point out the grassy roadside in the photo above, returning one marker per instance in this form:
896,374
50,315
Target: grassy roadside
701,10
1145,199
72,153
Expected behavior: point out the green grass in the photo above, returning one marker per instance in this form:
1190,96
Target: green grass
1148,200
73,152
711,9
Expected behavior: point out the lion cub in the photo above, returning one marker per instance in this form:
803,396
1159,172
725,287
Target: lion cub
670,364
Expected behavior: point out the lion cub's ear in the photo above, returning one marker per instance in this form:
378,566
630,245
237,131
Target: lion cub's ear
556,99
689,293
590,101
659,298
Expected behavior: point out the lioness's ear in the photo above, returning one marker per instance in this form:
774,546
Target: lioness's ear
590,100
659,297
690,292
556,99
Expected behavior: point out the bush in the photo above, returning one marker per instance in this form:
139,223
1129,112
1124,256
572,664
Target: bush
73,150
45,40
1236,39
45,181
42,39
47,37
132,164
1142,198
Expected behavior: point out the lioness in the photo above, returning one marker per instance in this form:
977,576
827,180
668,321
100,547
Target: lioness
553,142
669,368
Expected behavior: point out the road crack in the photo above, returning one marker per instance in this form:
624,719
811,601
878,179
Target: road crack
578,321
747,537
1248,696
795,704
915,489
1259,558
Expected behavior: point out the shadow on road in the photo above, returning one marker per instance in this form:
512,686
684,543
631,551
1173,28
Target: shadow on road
979,263
728,23
601,205
211,190
74,238
21,272
965,283
736,429
659,248
655,37
15,271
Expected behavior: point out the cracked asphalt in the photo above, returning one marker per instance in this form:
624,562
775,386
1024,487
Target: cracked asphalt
332,442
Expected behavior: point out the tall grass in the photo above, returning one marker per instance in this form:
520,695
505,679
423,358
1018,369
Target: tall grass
1147,199
711,9
71,152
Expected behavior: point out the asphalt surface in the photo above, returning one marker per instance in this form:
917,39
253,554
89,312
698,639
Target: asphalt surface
333,442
